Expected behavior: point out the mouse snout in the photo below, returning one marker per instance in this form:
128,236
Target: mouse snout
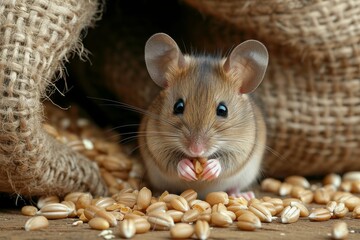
196,149
197,144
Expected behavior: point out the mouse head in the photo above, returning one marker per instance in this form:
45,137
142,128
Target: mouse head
204,100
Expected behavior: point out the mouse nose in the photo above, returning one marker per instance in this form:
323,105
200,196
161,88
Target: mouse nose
197,149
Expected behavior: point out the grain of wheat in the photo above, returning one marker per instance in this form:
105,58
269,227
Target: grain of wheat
99,223
202,229
29,210
182,231
339,230
36,223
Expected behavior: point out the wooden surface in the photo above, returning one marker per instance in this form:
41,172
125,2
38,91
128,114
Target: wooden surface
12,227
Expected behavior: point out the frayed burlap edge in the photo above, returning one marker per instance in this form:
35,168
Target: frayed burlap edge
36,38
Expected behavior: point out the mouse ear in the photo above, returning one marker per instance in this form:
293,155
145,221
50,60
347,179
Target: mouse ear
248,61
162,54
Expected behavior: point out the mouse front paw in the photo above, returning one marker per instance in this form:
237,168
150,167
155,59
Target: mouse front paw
186,170
212,170
235,192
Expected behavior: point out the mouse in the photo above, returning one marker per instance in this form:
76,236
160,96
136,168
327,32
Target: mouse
204,111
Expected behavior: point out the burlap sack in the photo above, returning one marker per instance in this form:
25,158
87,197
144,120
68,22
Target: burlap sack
310,94
36,37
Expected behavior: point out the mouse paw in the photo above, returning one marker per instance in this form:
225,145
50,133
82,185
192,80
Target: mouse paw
236,193
186,170
212,169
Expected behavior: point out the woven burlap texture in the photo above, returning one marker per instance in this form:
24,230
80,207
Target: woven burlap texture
311,92
35,38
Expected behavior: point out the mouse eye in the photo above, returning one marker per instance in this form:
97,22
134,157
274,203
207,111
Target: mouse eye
179,107
222,110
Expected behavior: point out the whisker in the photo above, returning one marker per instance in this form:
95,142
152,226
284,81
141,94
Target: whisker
123,126
136,109
271,150
142,133
221,128
170,138
136,148
128,139
151,132
210,127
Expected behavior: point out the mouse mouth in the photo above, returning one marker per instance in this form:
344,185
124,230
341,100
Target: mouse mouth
180,154
211,156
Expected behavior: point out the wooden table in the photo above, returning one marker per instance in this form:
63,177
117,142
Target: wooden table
12,227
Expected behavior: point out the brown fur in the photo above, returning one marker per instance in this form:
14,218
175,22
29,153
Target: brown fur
202,84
